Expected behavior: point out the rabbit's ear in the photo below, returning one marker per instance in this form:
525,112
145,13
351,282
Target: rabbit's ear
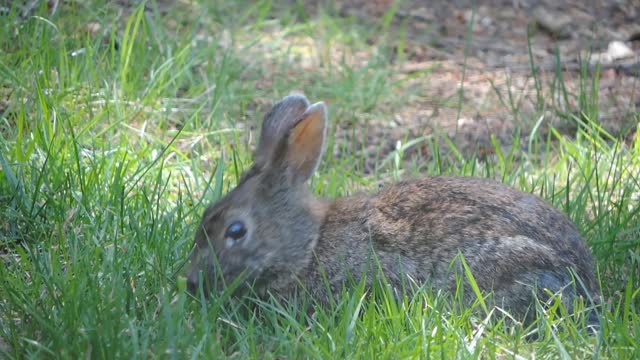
305,143
277,123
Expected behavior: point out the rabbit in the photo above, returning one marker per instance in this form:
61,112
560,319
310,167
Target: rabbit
272,235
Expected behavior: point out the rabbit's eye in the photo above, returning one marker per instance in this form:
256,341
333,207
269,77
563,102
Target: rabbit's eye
235,231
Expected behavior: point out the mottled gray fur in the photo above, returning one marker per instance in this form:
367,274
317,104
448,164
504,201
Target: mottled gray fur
515,243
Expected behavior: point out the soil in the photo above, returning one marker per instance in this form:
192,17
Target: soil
480,90
506,38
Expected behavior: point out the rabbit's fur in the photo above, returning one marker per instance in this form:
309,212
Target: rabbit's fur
514,243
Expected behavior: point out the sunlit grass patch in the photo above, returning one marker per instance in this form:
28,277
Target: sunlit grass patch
109,154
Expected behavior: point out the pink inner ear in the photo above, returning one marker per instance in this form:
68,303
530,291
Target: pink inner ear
305,144
300,130
307,132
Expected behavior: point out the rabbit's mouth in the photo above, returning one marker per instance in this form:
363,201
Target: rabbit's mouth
233,283
249,281
233,278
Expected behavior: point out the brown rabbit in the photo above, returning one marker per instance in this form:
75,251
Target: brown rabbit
275,233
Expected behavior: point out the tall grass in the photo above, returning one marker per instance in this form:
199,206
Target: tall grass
113,145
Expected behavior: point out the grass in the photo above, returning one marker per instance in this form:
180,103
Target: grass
113,145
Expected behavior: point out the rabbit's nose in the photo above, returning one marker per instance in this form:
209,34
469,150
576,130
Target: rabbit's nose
195,279
193,282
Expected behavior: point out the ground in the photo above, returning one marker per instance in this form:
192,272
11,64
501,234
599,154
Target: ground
480,82
496,64
121,120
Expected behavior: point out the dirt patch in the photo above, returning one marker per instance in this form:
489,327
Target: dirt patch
497,56
476,67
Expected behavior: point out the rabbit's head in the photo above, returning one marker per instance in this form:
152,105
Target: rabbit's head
263,231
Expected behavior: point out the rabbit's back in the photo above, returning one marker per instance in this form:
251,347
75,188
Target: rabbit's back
511,240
